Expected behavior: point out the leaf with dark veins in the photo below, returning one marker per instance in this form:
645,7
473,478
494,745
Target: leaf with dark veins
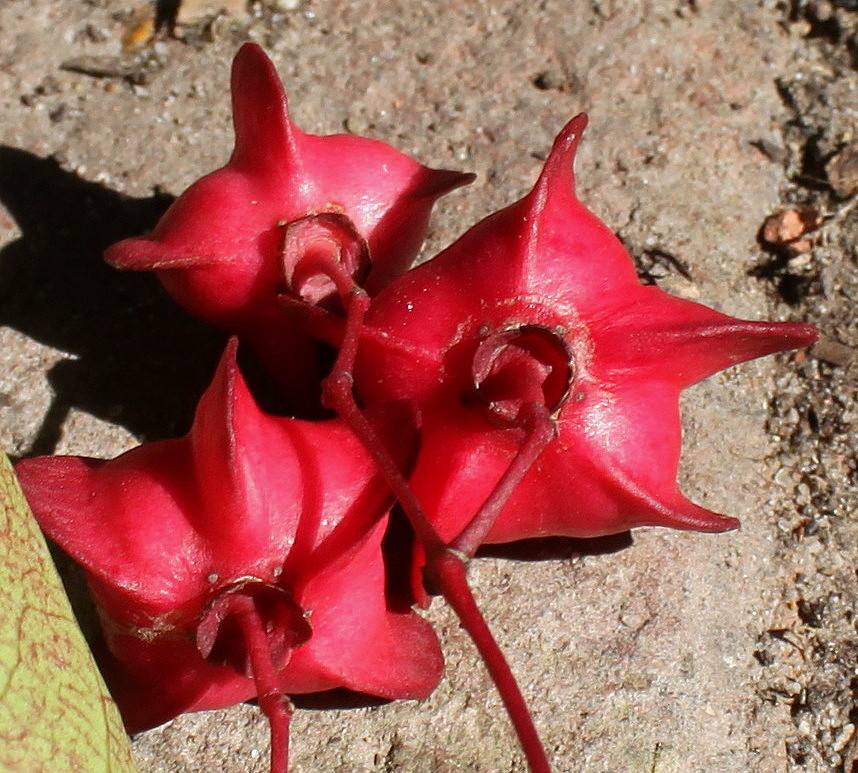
55,712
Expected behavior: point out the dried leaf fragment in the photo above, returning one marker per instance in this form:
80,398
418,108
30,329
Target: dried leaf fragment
134,69
785,229
139,28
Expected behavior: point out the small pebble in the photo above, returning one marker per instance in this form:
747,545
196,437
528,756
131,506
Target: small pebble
834,353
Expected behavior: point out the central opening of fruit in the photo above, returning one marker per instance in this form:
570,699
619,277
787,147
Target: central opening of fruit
253,626
319,252
519,365
221,632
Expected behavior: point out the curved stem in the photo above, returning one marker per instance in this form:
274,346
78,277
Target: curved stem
451,576
446,568
340,398
338,395
274,704
540,431
445,565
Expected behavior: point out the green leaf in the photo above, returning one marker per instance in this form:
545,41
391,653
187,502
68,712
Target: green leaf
55,712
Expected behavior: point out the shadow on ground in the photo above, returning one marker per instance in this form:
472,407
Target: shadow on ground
136,359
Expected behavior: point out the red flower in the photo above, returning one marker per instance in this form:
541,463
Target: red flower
236,238
539,308
181,538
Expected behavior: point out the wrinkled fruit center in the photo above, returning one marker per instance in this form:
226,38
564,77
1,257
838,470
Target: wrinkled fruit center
221,640
316,250
521,365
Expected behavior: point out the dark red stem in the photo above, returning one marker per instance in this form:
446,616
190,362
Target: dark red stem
340,398
540,430
449,572
446,567
274,704
338,395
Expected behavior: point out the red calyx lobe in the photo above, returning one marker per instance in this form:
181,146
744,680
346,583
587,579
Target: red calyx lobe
546,263
285,513
218,249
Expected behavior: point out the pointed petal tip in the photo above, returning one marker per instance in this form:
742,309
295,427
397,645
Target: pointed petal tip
59,491
265,136
774,336
252,65
143,254
216,411
800,333
439,182
228,382
138,254
567,141
685,342
558,174
574,128
745,341
666,507
224,438
40,475
678,512
229,359
250,51
691,517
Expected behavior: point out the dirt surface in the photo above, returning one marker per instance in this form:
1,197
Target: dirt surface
680,652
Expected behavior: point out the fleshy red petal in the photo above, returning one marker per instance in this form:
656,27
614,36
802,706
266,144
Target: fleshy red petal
546,249
269,486
545,262
265,137
650,334
387,195
227,221
155,681
396,655
568,254
245,500
613,467
123,521
245,509
546,245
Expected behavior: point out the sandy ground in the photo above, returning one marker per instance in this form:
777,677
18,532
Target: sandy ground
681,652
